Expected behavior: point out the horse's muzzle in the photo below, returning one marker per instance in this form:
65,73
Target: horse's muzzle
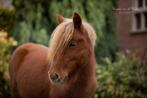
56,79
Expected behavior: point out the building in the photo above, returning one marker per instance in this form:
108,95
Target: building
132,26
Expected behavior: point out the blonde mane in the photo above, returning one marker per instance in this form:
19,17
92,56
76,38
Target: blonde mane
63,34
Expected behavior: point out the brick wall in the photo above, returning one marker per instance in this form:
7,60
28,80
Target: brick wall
134,42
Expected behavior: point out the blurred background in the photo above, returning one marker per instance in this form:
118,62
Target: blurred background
120,51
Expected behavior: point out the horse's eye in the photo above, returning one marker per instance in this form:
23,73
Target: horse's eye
72,45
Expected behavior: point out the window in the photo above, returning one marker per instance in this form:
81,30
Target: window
145,19
146,3
140,16
139,3
138,21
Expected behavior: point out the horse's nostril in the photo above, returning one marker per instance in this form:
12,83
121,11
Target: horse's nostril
65,78
54,76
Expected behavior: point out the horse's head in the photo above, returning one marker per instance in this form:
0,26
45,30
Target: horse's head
71,47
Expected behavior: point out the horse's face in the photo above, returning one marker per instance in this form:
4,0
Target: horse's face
74,56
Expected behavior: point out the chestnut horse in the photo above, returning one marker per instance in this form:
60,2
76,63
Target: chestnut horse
67,69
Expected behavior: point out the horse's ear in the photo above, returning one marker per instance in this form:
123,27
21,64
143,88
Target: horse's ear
77,20
60,19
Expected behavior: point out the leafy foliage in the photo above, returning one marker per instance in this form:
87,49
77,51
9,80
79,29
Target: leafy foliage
124,78
30,24
7,18
6,44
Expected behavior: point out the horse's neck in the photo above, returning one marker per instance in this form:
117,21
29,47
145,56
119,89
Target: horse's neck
86,73
90,67
84,81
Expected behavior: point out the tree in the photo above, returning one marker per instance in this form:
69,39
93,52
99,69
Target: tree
31,26
7,15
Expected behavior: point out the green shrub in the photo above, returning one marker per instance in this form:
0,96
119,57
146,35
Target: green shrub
124,78
7,19
6,44
31,23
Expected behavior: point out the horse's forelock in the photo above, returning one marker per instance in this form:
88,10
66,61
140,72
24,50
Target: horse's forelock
63,34
60,38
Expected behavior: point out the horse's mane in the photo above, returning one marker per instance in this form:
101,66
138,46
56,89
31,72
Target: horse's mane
64,33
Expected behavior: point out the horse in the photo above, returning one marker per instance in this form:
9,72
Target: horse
65,69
